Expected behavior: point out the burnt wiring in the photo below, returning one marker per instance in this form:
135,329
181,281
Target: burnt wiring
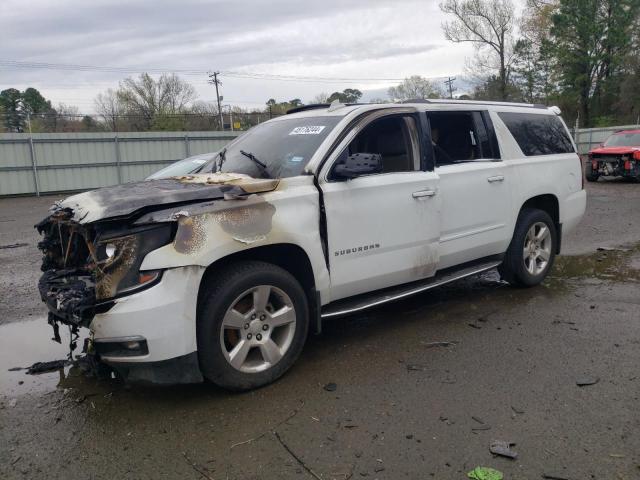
74,335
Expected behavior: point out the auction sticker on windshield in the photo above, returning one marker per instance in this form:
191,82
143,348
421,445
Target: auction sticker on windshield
308,130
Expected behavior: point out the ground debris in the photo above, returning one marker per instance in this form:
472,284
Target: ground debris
44,367
415,367
296,457
485,473
503,448
13,245
586,381
612,249
551,476
480,428
448,343
196,467
330,387
286,419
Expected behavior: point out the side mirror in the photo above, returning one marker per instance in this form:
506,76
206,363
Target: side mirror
359,164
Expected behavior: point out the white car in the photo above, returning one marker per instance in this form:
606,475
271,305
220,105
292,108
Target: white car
183,167
319,213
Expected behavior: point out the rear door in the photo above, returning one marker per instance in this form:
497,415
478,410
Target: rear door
474,186
383,229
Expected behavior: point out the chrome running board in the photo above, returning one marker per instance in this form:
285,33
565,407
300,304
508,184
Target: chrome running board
379,297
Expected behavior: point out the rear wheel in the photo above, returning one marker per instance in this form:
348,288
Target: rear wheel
252,325
532,249
590,175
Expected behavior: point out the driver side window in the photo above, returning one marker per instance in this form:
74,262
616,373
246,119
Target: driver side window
393,138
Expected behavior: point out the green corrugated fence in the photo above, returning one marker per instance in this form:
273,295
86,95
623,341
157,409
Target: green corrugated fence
55,162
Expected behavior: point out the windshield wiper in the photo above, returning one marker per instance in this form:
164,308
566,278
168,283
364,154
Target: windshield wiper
255,160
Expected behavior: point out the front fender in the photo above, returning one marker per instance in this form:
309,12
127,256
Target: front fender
211,231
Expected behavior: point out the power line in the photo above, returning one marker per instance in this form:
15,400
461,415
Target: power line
14,64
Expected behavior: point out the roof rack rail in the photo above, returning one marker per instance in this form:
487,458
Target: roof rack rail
416,100
473,102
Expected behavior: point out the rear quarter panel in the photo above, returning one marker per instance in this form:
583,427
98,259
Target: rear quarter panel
559,175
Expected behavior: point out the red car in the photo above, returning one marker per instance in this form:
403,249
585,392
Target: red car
618,156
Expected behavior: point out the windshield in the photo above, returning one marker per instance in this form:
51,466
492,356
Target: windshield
275,149
623,140
182,167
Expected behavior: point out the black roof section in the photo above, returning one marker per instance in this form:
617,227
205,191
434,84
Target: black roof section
311,106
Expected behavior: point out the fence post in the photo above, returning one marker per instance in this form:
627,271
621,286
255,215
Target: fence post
590,139
117,145
187,149
34,162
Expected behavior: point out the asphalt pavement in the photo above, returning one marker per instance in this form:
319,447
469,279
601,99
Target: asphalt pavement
418,389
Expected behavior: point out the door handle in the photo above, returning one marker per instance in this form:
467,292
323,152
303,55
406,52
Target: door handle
423,193
497,178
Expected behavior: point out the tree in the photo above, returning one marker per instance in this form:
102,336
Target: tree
110,108
488,24
527,74
589,40
320,98
145,97
491,89
18,106
279,108
415,88
11,103
348,95
33,102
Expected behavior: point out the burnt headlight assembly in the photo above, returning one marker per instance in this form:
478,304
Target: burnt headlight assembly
119,257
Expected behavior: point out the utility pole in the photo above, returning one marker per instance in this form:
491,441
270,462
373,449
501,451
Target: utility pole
213,78
449,84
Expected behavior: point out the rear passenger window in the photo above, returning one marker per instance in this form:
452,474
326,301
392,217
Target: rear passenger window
454,137
538,134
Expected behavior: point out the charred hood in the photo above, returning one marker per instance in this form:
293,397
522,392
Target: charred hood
130,199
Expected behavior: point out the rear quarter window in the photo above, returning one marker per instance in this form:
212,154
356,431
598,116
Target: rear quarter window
538,134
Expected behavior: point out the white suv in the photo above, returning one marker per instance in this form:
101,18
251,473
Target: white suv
325,211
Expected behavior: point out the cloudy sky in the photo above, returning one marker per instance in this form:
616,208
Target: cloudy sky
365,43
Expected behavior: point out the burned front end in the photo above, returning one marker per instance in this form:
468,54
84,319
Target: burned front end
86,267
124,262
616,164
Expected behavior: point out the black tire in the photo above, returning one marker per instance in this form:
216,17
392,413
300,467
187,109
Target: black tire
513,268
589,173
219,293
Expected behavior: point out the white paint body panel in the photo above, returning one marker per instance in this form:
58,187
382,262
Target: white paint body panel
380,211
475,211
164,315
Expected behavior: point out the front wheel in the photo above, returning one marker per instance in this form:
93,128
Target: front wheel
589,174
532,249
252,325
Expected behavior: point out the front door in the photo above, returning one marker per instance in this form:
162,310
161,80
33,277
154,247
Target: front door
383,229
